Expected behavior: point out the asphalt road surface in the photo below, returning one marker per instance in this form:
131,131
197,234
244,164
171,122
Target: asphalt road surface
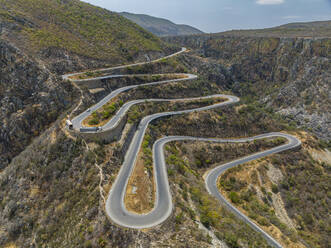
163,206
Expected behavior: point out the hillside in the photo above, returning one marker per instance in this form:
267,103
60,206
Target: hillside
62,180
288,78
284,185
289,75
55,181
160,26
41,40
62,183
91,36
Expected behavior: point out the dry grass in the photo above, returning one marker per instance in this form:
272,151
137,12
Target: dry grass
10,245
140,192
245,174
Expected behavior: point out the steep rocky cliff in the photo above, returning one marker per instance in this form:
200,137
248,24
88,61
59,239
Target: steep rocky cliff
290,75
30,99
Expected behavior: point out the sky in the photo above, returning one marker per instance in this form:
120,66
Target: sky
220,15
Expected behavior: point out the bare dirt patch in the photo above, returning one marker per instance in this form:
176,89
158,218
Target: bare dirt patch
321,156
140,192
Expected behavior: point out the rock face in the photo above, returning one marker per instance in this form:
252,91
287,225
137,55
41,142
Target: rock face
290,75
30,99
61,61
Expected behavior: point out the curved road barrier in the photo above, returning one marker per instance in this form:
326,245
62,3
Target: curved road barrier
163,206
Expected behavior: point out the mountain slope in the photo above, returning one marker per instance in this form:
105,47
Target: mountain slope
30,99
288,75
52,193
160,26
68,28
290,79
40,40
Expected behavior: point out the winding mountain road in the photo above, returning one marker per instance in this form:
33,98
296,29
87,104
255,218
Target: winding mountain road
163,206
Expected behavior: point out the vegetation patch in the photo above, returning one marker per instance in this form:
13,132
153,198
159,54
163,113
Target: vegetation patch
75,25
185,170
257,189
103,115
140,193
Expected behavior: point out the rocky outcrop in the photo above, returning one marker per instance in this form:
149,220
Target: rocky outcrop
30,99
290,75
61,61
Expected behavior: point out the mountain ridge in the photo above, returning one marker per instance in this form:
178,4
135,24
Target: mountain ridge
319,29
160,26
316,29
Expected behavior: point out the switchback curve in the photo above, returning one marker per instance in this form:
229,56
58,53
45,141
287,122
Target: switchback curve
115,207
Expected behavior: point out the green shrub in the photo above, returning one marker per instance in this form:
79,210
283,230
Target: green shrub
102,242
179,218
171,172
274,188
205,220
231,240
247,195
88,244
234,197
263,221
94,121
264,191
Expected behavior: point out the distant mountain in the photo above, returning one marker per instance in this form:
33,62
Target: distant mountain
309,25
160,26
291,30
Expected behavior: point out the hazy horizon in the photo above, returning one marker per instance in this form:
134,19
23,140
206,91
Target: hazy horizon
217,16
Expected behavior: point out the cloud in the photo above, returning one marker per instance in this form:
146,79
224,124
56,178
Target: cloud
269,2
228,8
292,17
